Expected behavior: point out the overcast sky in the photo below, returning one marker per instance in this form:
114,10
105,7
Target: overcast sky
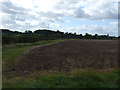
80,16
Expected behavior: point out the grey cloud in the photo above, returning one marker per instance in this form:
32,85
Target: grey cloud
66,5
13,13
20,18
43,25
79,13
109,10
10,8
51,16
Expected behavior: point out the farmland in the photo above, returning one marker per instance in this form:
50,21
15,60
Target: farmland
61,64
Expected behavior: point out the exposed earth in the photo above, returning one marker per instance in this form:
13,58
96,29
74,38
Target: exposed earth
72,54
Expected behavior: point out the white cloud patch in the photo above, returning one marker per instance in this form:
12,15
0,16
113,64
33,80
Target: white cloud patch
111,29
35,14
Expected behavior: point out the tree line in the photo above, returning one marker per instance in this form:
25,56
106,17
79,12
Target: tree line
9,37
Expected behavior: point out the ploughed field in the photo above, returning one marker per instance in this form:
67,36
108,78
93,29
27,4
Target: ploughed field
69,55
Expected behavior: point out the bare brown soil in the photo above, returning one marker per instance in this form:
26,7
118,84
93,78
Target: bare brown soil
68,55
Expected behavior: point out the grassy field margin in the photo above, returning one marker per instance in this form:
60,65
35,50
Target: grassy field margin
12,52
